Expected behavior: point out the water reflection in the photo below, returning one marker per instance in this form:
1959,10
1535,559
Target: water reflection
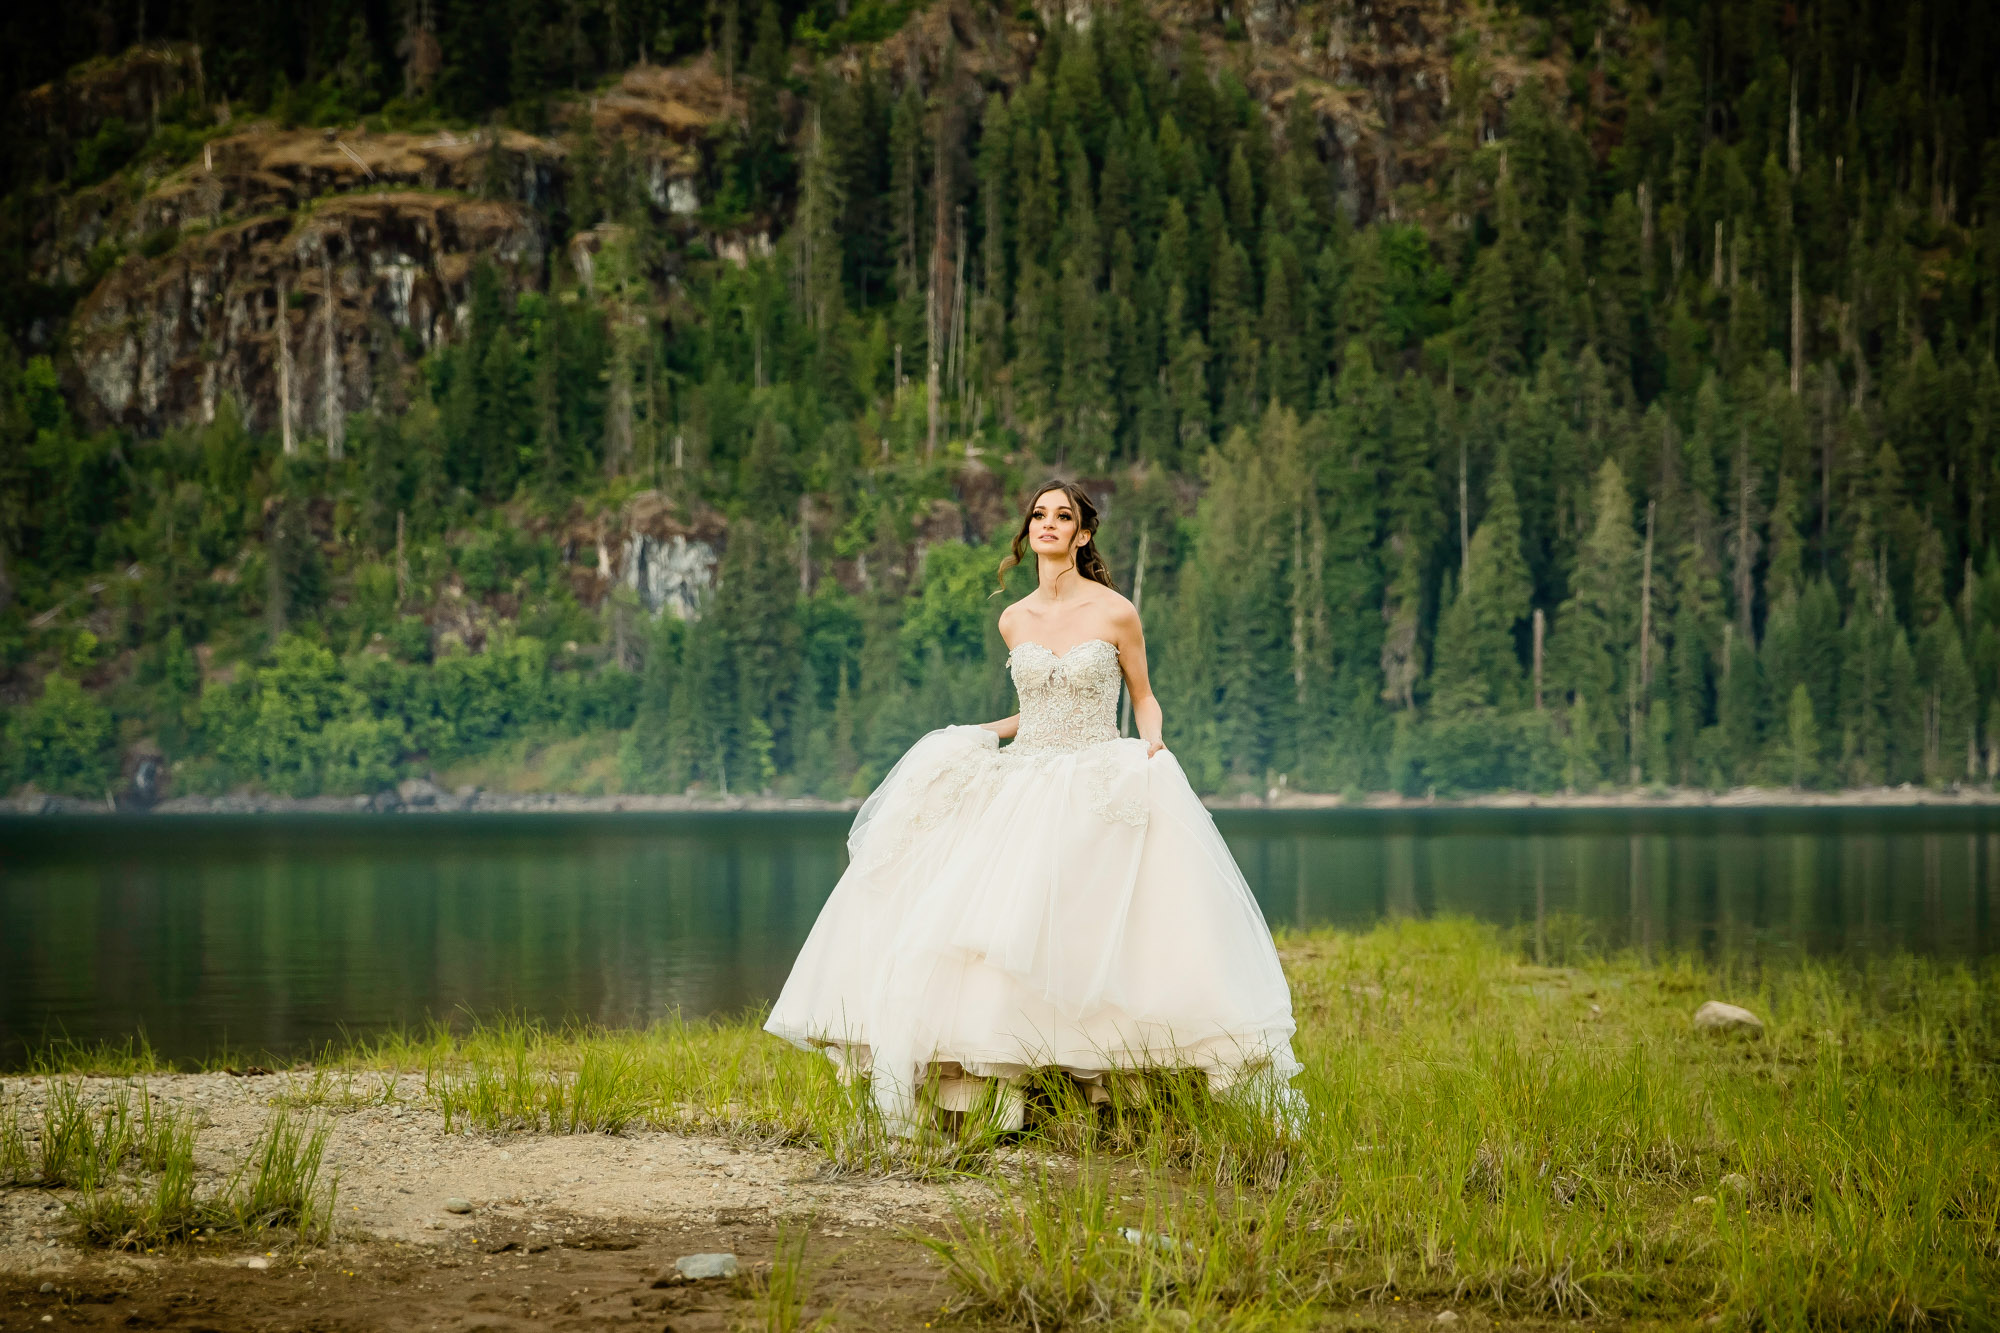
271,934
1821,882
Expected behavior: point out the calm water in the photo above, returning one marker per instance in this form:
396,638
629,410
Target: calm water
269,934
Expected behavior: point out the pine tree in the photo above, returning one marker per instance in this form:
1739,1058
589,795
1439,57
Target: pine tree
1081,407
1801,752
1593,649
1477,663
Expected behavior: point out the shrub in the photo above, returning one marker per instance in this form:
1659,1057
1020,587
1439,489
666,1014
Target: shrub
63,742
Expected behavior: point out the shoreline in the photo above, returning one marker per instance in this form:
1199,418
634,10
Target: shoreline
418,797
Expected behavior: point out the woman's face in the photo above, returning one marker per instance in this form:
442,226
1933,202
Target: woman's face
1053,524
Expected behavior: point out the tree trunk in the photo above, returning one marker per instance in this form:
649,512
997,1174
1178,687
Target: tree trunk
1299,604
1745,556
938,297
334,422
1464,521
1799,329
1138,603
1646,604
274,568
1792,132
289,445
1541,631
805,546
1644,692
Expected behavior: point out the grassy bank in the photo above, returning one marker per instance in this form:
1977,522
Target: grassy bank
1537,1141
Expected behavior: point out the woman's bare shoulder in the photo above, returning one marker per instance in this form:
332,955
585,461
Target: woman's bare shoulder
1118,607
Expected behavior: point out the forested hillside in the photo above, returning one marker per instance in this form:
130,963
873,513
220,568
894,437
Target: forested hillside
621,395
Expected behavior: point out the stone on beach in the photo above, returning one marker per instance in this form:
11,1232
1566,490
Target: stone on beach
1715,1016
458,1205
697,1268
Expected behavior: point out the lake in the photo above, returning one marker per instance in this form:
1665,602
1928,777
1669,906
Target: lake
270,935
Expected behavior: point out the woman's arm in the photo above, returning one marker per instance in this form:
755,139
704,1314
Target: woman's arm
1005,727
1130,637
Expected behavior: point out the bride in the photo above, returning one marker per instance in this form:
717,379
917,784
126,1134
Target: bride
1063,901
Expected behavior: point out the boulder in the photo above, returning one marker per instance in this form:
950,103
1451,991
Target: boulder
697,1268
147,781
1715,1016
419,792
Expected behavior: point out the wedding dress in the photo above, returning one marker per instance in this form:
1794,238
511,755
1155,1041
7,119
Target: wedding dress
1062,901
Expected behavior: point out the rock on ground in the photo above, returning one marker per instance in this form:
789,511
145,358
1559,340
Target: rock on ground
1715,1016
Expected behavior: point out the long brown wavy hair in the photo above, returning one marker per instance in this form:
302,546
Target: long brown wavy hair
1089,560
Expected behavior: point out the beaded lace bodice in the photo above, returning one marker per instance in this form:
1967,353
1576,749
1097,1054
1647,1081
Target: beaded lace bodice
1068,701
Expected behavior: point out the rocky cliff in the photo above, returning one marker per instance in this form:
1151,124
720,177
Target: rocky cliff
300,269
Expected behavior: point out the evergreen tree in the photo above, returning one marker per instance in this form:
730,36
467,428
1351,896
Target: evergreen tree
1594,647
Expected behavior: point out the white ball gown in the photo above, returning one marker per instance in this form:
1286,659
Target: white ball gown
1062,901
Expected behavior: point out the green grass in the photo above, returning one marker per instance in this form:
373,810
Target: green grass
585,765
77,1143
127,1162
1533,1141
278,1188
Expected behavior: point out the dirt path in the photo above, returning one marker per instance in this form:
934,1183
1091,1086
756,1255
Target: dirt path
564,1232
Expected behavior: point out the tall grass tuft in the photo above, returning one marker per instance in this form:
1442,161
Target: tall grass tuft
781,1294
77,1142
139,1215
278,1188
279,1185
127,1057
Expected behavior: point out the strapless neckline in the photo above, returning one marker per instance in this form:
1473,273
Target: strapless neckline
1059,656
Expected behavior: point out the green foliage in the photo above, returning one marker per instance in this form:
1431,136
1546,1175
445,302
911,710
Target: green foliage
307,724
1369,426
951,610
104,152
62,742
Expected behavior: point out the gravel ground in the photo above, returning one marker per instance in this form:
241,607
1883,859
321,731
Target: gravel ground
559,1226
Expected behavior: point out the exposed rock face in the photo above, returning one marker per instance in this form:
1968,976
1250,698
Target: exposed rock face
330,295
667,560
235,290
662,111
672,575
266,170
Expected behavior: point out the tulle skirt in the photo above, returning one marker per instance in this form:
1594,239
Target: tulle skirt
1006,910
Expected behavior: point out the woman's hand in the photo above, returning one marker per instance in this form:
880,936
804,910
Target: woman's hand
1153,747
